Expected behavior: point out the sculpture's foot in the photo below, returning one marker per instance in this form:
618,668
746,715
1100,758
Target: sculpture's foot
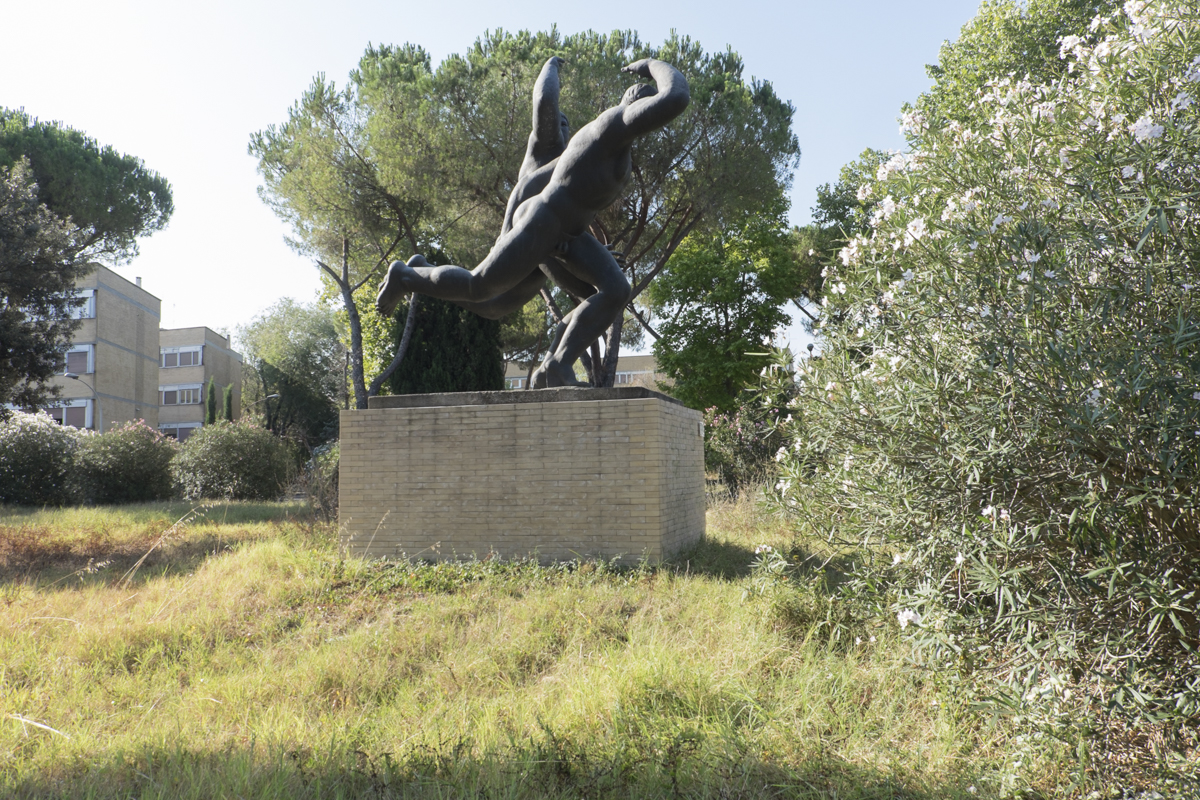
554,374
395,284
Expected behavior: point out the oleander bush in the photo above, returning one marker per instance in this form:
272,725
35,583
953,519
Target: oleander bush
128,464
36,460
232,460
1004,430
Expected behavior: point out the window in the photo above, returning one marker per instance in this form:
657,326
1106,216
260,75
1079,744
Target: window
624,378
78,360
88,309
181,356
514,383
181,431
75,413
179,395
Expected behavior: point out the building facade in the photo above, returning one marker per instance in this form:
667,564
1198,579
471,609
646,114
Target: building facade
188,359
110,372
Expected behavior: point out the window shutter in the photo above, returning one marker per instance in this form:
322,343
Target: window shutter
77,362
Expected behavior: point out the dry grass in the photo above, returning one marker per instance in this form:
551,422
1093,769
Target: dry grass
246,659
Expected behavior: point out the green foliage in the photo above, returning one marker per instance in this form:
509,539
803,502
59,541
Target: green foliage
232,461
1004,423
526,334
227,404
743,445
720,304
111,199
1006,38
294,351
845,207
128,464
452,350
37,273
36,459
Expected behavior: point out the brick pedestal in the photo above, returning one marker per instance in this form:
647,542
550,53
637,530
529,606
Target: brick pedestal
563,473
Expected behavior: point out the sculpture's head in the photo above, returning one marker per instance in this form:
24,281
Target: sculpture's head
637,92
564,128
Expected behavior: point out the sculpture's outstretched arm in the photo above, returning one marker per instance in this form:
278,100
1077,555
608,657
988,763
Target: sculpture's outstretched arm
547,140
655,110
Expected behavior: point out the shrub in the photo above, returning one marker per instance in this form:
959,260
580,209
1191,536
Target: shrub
742,446
36,456
231,460
128,464
1005,424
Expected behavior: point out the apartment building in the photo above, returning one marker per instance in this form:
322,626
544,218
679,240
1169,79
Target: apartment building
111,369
188,359
631,371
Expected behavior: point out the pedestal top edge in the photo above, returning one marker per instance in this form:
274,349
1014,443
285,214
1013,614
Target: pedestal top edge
509,396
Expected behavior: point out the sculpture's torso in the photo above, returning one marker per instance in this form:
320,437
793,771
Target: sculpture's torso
590,174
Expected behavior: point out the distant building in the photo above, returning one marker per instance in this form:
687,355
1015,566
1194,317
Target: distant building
121,366
631,371
188,358
111,369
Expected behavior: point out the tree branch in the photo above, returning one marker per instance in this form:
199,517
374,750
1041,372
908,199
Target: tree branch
401,351
646,325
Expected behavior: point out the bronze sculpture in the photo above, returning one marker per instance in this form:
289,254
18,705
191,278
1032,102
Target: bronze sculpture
562,185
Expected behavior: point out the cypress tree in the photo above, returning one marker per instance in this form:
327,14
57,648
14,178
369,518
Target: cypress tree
229,402
210,403
452,350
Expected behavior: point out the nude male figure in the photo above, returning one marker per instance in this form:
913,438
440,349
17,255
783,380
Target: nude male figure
587,177
547,141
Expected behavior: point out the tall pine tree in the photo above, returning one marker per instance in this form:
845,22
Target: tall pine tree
452,350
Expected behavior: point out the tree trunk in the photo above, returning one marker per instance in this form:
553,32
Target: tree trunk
356,343
409,323
537,351
612,350
596,367
356,349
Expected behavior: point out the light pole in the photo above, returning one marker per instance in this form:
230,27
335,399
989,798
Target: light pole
98,419
261,400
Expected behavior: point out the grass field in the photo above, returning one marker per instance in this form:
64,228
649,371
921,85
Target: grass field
242,657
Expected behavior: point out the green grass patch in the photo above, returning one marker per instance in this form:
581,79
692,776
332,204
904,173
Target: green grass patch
268,666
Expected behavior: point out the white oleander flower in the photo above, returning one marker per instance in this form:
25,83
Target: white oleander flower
915,230
906,616
1145,129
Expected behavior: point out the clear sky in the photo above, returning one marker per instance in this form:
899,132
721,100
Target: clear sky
182,86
